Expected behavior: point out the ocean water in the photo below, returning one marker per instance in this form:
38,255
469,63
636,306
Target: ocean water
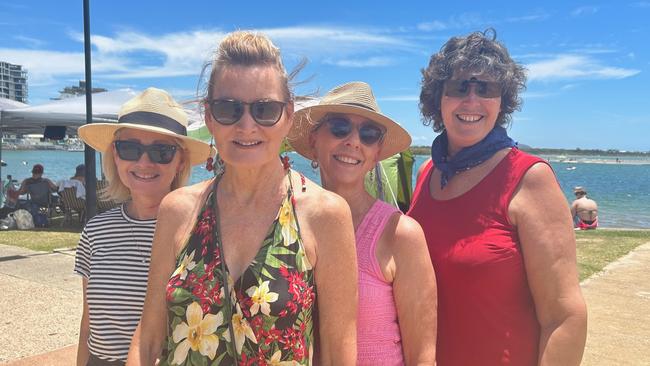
621,190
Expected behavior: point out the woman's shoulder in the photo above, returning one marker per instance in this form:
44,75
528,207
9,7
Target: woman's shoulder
318,202
111,215
403,229
185,198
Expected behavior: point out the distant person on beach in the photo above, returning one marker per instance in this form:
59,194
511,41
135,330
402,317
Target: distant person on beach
497,224
80,174
256,266
346,135
584,210
146,154
39,189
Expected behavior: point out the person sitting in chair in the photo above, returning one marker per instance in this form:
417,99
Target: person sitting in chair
39,188
584,210
80,174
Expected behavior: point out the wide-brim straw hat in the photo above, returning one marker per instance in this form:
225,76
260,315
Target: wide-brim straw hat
153,110
352,98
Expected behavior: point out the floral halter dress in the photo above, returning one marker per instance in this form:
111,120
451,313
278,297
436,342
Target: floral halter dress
267,319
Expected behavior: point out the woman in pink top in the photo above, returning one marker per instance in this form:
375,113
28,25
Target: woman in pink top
346,135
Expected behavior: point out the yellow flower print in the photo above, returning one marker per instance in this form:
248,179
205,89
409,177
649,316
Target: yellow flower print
242,330
288,223
261,297
197,334
186,265
275,360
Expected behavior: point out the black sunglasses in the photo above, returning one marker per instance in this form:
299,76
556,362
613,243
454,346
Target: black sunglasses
483,89
158,153
229,111
369,133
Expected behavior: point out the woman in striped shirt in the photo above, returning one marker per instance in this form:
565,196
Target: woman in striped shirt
114,250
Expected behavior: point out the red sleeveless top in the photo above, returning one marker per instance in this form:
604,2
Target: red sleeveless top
486,313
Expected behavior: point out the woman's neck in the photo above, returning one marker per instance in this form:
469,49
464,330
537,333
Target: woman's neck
246,185
143,208
357,198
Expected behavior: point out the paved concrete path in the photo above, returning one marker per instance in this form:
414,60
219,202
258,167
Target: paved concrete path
41,308
618,300
41,303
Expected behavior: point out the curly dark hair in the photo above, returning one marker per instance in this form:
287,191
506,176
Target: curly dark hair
478,52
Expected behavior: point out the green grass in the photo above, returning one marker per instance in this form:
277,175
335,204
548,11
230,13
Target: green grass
46,239
595,248
598,248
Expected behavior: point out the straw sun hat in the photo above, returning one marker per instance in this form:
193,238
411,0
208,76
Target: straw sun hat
153,110
352,98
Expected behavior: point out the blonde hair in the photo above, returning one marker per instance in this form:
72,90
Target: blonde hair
117,191
247,48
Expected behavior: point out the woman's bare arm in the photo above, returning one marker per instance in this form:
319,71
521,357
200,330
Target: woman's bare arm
541,214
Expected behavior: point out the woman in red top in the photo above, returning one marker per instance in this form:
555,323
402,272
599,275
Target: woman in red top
497,224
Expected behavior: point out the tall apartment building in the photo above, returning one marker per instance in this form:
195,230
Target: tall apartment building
13,82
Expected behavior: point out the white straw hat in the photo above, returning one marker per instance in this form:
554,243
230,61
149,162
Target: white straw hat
352,98
153,110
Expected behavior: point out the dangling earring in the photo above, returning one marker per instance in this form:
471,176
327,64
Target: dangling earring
219,166
371,176
286,164
314,164
209,164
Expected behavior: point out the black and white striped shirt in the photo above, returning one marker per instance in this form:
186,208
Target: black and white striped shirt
113,254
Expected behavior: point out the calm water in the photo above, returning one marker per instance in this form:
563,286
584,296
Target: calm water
622,191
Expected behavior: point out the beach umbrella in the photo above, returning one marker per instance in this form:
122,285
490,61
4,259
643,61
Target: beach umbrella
7,104
69,113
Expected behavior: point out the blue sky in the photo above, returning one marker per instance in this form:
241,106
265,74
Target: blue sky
588,62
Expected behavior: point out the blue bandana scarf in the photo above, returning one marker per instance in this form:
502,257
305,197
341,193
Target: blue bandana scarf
468,157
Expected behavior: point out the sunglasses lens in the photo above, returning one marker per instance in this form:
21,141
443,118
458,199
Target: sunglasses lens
456,88
158,153
267,113
226,112
161,153
483,89
489,89
339,127
128,150
370,134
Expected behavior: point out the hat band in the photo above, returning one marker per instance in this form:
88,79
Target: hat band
154,120
361,105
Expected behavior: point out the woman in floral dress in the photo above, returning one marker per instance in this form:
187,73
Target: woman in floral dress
257,266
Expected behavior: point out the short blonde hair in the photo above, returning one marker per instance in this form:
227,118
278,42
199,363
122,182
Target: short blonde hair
248,48
116,190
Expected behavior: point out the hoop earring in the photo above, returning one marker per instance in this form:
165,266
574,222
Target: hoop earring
314,164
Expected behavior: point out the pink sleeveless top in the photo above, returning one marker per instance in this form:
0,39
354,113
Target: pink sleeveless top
378,337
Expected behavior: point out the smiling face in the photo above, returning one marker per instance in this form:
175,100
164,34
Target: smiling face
468,119
144,177
245,143
343,161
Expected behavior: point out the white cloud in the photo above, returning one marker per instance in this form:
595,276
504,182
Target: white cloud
31,42
536,16
132,55
585,10
368,62
435,25
641,4
570,66
461,21
423,138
